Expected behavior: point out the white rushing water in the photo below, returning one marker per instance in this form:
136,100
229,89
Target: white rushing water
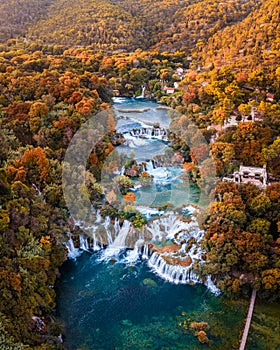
73,252
142,93
95,244
170,227
161,175
169,264
83,243
172,273
133,255
118,244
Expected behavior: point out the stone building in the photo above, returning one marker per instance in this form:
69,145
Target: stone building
255,175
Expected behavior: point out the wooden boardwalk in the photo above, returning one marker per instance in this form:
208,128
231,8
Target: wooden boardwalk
248,320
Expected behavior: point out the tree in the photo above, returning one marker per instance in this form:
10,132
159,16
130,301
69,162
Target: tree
271,155
124,183
38,109
223,154
36,165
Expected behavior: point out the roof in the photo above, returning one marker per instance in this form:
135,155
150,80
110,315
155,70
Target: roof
252,169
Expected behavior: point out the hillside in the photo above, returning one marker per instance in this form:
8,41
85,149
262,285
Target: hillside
121,24
18,15
111,25
194,24
252,43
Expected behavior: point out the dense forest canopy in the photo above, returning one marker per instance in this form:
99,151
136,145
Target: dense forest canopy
62,61
121,25
18,15
252,43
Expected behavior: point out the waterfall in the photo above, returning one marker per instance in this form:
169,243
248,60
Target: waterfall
83,243
149,166
119,242
73,252
172,273
160,175
142,93
145,254
211,286
98,217
106,225
155,230
147,211
95,245
70,245
133,255
117,226
147,132
171,227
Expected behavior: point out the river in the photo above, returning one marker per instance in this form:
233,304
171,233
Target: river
137,299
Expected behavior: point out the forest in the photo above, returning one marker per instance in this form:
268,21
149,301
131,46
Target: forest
63,61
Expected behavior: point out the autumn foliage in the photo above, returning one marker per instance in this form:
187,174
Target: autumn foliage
129,197
36,158
57,72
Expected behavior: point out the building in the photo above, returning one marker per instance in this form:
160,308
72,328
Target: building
270,97
169,90
255,175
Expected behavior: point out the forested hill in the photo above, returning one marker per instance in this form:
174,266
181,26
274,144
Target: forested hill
18,15
252,43
121,24
195,23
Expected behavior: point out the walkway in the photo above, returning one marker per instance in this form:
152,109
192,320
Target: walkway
248,320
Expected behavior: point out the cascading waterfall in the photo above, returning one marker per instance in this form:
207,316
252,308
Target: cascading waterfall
147,211
170,227
169,265
113,245
145,254
106,225
211,286
149,166
155,230
173,266
119,242
172,273
160,175
167,232
83,243
134,254
95,245
148,132
73,252
98,217
142,93
141,136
